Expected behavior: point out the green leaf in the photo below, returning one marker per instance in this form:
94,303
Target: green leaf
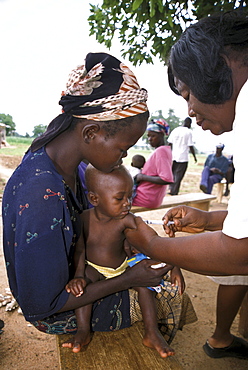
148,28
136,4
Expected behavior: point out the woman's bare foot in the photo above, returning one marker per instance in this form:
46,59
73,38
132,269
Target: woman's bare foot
154,339
80,339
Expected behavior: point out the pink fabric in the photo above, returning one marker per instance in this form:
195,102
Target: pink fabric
158,164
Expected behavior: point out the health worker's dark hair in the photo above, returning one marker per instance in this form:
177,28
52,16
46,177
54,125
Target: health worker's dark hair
198,57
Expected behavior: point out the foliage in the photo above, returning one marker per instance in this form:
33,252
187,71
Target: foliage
8,121
38,130
149,28
172,120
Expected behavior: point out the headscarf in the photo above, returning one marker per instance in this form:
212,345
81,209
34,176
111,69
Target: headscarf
220,146
158,125
102,89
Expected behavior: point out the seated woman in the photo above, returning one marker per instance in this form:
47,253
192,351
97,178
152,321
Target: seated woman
44,198
157,171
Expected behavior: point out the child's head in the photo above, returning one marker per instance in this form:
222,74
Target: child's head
138,161
110,192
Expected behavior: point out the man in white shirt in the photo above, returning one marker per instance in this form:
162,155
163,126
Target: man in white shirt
181,142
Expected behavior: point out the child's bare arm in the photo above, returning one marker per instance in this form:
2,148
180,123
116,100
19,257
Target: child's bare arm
79,257
78,283
128,248
178,279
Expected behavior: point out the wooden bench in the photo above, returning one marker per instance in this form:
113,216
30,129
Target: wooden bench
122,350
197,200
220,190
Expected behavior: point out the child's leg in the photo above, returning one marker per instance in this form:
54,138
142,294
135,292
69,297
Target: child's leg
152,338
83,315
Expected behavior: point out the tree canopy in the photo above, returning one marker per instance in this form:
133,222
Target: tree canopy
149,28
39,130
8,121
172,120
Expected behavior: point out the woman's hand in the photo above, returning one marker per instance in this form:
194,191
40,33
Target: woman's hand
143,274
186,219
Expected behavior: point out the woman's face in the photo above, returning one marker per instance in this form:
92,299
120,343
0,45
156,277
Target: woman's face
216,118
106,153
155,139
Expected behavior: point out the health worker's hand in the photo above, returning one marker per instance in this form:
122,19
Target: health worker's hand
186,219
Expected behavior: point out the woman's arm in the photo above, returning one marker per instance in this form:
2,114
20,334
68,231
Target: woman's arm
210,253
139,275
154,179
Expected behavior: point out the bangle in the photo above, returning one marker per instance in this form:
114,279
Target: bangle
78,277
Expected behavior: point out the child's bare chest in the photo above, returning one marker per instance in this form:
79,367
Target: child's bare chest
105,245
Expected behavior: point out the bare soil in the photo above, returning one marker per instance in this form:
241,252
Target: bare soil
23,347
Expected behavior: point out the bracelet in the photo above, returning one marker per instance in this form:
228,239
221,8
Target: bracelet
78,277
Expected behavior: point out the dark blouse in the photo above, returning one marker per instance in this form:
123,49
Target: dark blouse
41,218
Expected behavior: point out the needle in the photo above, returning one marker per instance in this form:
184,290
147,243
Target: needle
157,222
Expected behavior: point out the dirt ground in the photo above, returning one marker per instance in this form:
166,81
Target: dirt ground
23,347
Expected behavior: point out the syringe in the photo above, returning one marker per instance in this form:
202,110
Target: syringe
158,222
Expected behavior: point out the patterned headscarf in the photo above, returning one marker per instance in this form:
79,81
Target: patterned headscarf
102,89
158,125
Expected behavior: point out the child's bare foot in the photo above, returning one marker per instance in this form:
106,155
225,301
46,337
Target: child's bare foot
80,339
154,339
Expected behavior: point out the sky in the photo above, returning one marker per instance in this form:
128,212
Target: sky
42,41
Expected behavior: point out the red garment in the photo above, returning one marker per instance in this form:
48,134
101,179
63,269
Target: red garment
159,164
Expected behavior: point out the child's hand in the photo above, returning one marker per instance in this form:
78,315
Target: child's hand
76,286
178,279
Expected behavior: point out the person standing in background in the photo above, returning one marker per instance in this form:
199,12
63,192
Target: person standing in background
181,142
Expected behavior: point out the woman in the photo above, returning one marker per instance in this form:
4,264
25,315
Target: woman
157,171
105,113
208,67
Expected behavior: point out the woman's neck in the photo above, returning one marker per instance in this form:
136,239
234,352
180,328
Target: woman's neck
65,157
160,144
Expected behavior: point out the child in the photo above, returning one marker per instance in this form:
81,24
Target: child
104,231
137,164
